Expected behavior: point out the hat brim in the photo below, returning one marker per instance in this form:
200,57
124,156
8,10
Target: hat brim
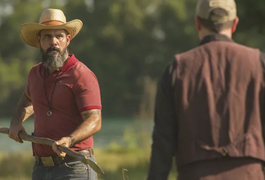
29,31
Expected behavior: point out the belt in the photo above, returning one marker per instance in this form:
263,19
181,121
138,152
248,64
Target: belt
50,161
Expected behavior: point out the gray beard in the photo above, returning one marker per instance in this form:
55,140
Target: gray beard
50,59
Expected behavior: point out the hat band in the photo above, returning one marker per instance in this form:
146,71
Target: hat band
53,22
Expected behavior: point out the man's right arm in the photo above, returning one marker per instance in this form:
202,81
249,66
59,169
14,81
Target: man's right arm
23,112
262,95
165,131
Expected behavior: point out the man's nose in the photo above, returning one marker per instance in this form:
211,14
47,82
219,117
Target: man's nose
54,41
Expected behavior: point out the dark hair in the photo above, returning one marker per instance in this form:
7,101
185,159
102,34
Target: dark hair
213,26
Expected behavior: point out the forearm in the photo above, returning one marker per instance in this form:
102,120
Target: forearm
24,110
91,125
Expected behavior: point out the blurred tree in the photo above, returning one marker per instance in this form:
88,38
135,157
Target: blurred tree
127,43
253,15
16,57
124,42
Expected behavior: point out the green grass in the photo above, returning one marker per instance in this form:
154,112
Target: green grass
16,166
118,164
128,161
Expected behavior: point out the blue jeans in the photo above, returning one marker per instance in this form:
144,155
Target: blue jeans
75,170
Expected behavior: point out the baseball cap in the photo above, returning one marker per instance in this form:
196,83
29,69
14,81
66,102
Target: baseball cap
204,8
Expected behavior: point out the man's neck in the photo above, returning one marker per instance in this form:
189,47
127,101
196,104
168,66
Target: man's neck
51,70
207,33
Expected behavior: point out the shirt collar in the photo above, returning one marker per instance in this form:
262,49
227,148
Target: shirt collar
69,63
215,37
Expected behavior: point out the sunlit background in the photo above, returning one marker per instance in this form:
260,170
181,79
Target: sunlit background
127,44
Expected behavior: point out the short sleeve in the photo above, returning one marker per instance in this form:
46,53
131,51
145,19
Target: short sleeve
87,92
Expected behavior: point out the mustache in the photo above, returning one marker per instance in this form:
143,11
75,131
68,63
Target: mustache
52,49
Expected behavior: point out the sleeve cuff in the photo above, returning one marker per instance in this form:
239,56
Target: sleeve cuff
89,108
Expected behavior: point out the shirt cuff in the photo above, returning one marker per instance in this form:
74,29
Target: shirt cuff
89,108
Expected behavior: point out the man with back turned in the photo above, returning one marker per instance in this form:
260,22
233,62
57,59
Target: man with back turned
209,104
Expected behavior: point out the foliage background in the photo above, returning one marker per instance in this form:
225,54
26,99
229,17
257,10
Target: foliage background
127,44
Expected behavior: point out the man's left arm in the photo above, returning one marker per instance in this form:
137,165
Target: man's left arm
88,100
90,126
165,128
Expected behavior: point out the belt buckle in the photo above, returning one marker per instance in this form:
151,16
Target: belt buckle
47,161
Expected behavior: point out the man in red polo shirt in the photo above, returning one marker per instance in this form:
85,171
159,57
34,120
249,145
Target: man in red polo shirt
64,96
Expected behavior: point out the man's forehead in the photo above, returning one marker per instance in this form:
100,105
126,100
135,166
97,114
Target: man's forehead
53,31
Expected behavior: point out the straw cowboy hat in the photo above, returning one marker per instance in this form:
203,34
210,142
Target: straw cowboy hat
49,19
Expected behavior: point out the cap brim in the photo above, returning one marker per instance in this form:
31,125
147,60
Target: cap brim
29,31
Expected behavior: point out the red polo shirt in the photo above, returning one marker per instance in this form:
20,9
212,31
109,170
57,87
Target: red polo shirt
76,90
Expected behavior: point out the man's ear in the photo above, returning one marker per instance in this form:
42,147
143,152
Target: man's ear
68,39
198,24
235,24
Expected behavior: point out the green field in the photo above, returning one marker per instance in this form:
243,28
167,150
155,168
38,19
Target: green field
118,164
121,161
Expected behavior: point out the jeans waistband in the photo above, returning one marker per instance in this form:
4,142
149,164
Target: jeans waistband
50,161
